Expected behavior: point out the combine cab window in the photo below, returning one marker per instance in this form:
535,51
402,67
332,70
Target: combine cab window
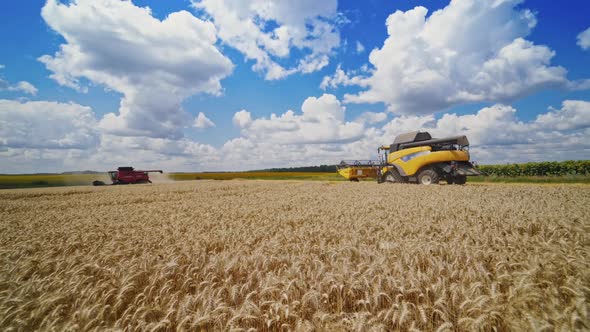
113,176
446,147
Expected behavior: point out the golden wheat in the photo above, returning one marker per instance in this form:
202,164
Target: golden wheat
280,255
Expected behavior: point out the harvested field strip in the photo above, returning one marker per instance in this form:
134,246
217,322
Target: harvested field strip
257,175
62,180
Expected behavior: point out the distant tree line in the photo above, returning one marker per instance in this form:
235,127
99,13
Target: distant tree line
544,168
321,168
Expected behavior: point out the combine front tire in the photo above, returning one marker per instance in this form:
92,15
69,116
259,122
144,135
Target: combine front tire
457,179
393,176
460,179
428,176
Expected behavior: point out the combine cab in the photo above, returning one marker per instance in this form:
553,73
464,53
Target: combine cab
417,157
128,175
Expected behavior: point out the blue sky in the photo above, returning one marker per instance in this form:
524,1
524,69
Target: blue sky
131,84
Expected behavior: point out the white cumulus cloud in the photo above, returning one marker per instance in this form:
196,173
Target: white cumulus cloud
321,122
371,118
26,87
242,119
318,134
154,64
203,122
584,39
360,48
497,135
47,125
342,78
266,31
156,149
573,115
49,136
22,86
469,51
44,136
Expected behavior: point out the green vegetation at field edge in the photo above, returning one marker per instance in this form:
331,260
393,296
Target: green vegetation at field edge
539,169
531,179
46,180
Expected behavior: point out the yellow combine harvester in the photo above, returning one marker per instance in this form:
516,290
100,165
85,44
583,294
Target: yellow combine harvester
416,157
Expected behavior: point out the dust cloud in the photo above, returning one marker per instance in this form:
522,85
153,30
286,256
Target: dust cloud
161,178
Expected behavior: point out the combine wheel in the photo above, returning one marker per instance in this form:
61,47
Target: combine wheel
393,176
460,179
428,176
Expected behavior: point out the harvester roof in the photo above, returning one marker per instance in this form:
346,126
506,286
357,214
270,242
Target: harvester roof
423,138
414,136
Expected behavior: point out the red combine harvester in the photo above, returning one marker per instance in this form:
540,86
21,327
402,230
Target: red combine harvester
128,175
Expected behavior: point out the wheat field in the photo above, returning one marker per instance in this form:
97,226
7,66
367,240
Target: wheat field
301,256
